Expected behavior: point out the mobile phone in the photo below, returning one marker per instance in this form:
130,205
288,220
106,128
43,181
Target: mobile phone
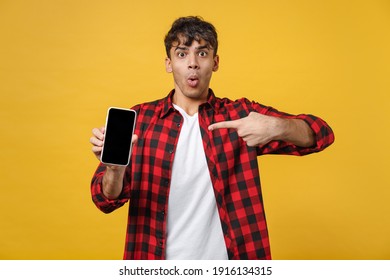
119,131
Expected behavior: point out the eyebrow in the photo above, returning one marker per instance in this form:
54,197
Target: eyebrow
187,48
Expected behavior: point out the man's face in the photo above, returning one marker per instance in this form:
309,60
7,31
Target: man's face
192,68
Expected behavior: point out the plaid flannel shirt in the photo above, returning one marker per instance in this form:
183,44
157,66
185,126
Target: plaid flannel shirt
233,169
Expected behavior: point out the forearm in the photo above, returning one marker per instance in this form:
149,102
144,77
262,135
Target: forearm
113,181
307,134
105,195
295,131
301,134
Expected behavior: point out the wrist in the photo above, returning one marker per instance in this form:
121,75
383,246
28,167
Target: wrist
115,169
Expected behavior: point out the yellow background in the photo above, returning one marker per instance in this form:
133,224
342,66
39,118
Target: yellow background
62,63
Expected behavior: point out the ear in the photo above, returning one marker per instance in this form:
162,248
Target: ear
216,63
168,65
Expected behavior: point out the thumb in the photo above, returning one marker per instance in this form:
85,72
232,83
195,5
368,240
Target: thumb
134,139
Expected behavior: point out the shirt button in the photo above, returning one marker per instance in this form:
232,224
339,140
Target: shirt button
171,151
178,124
160,216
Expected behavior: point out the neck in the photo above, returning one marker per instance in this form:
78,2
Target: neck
188,104
189,108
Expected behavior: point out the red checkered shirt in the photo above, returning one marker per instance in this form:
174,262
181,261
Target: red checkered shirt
233,169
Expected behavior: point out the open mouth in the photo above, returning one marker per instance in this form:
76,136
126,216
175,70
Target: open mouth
193,81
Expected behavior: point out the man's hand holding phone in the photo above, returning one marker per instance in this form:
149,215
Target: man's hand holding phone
97,141
114,148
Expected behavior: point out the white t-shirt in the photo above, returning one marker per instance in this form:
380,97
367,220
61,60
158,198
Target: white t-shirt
194,228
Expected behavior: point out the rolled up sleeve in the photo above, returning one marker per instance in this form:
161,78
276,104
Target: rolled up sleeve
101,201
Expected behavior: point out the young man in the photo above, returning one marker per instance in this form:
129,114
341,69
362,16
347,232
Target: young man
193,182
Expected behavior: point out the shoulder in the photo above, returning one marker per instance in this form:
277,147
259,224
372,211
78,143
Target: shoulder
148,109
242,106
227,102
147,113
147,106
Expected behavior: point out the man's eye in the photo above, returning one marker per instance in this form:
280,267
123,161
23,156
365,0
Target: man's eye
202,53
181,54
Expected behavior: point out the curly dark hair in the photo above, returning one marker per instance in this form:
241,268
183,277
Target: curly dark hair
191,28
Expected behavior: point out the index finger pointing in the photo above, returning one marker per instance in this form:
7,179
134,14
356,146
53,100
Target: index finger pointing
225,124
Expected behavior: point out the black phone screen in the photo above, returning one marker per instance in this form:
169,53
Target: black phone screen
117,139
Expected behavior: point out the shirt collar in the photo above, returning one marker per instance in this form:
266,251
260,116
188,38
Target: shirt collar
167,103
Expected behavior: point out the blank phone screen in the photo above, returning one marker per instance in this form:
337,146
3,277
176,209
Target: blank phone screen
117,139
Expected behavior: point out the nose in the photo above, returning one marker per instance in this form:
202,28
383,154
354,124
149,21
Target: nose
193,62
